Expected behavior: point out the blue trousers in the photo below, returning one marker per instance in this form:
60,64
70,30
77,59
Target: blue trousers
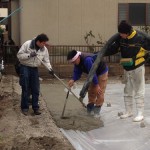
29,81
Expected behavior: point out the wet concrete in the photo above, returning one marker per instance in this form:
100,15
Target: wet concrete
75,114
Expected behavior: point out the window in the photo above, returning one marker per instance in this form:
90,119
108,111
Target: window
138,14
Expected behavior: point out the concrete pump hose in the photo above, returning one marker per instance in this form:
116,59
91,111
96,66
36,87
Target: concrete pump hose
95,66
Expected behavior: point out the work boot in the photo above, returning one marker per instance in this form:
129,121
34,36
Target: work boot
126,115
37,112
90,108
139,117
24,111
97,110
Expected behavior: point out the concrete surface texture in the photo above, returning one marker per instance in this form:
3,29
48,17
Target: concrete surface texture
106,133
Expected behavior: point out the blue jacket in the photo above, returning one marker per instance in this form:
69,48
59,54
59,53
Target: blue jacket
86,62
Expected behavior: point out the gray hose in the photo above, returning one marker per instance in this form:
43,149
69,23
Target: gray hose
95,66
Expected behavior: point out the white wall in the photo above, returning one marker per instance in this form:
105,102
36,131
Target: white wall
67,21
15,21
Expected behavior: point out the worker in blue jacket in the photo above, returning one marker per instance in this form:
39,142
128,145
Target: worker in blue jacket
82,64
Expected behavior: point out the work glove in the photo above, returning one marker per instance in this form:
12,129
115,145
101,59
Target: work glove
33,54
51,72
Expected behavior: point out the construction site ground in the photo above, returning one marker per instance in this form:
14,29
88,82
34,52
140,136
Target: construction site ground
19,132
108,132
31,132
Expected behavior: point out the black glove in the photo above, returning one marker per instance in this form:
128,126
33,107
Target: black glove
33,54
51,72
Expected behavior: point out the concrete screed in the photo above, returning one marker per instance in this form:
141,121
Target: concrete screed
106,133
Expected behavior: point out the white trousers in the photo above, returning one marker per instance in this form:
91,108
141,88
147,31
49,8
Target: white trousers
134,88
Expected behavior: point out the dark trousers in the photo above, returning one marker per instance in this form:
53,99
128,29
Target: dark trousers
29,81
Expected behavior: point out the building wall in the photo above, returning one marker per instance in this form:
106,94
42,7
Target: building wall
15,22
66,22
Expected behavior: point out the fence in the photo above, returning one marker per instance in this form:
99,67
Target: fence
58,58
58,54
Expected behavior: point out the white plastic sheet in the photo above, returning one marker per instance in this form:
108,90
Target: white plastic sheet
117,134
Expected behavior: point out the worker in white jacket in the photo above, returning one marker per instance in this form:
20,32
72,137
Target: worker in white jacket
29,76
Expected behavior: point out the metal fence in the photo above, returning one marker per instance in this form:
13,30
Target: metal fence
58,57
58,54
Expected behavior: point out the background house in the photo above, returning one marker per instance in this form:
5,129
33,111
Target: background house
67,21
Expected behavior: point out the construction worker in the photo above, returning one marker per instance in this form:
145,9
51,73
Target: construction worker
29,76
83,63
133,46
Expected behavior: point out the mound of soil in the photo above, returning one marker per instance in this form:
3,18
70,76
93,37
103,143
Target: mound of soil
19,132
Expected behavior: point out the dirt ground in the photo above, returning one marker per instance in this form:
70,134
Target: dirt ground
19,132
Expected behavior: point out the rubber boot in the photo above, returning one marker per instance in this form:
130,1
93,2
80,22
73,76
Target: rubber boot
97,110
128,107
139,117
90,108
140,110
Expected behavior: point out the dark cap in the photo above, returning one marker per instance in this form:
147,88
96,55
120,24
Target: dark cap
71,54
124,27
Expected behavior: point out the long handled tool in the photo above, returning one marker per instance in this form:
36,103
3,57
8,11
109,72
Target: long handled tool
62,82
62,116
18,9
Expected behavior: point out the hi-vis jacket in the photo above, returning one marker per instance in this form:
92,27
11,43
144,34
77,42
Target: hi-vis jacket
24,55
135,46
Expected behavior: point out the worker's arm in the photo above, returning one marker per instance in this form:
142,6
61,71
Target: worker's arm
113,48
24,51
46,59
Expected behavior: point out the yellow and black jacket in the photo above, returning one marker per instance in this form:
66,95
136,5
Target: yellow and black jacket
135,47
